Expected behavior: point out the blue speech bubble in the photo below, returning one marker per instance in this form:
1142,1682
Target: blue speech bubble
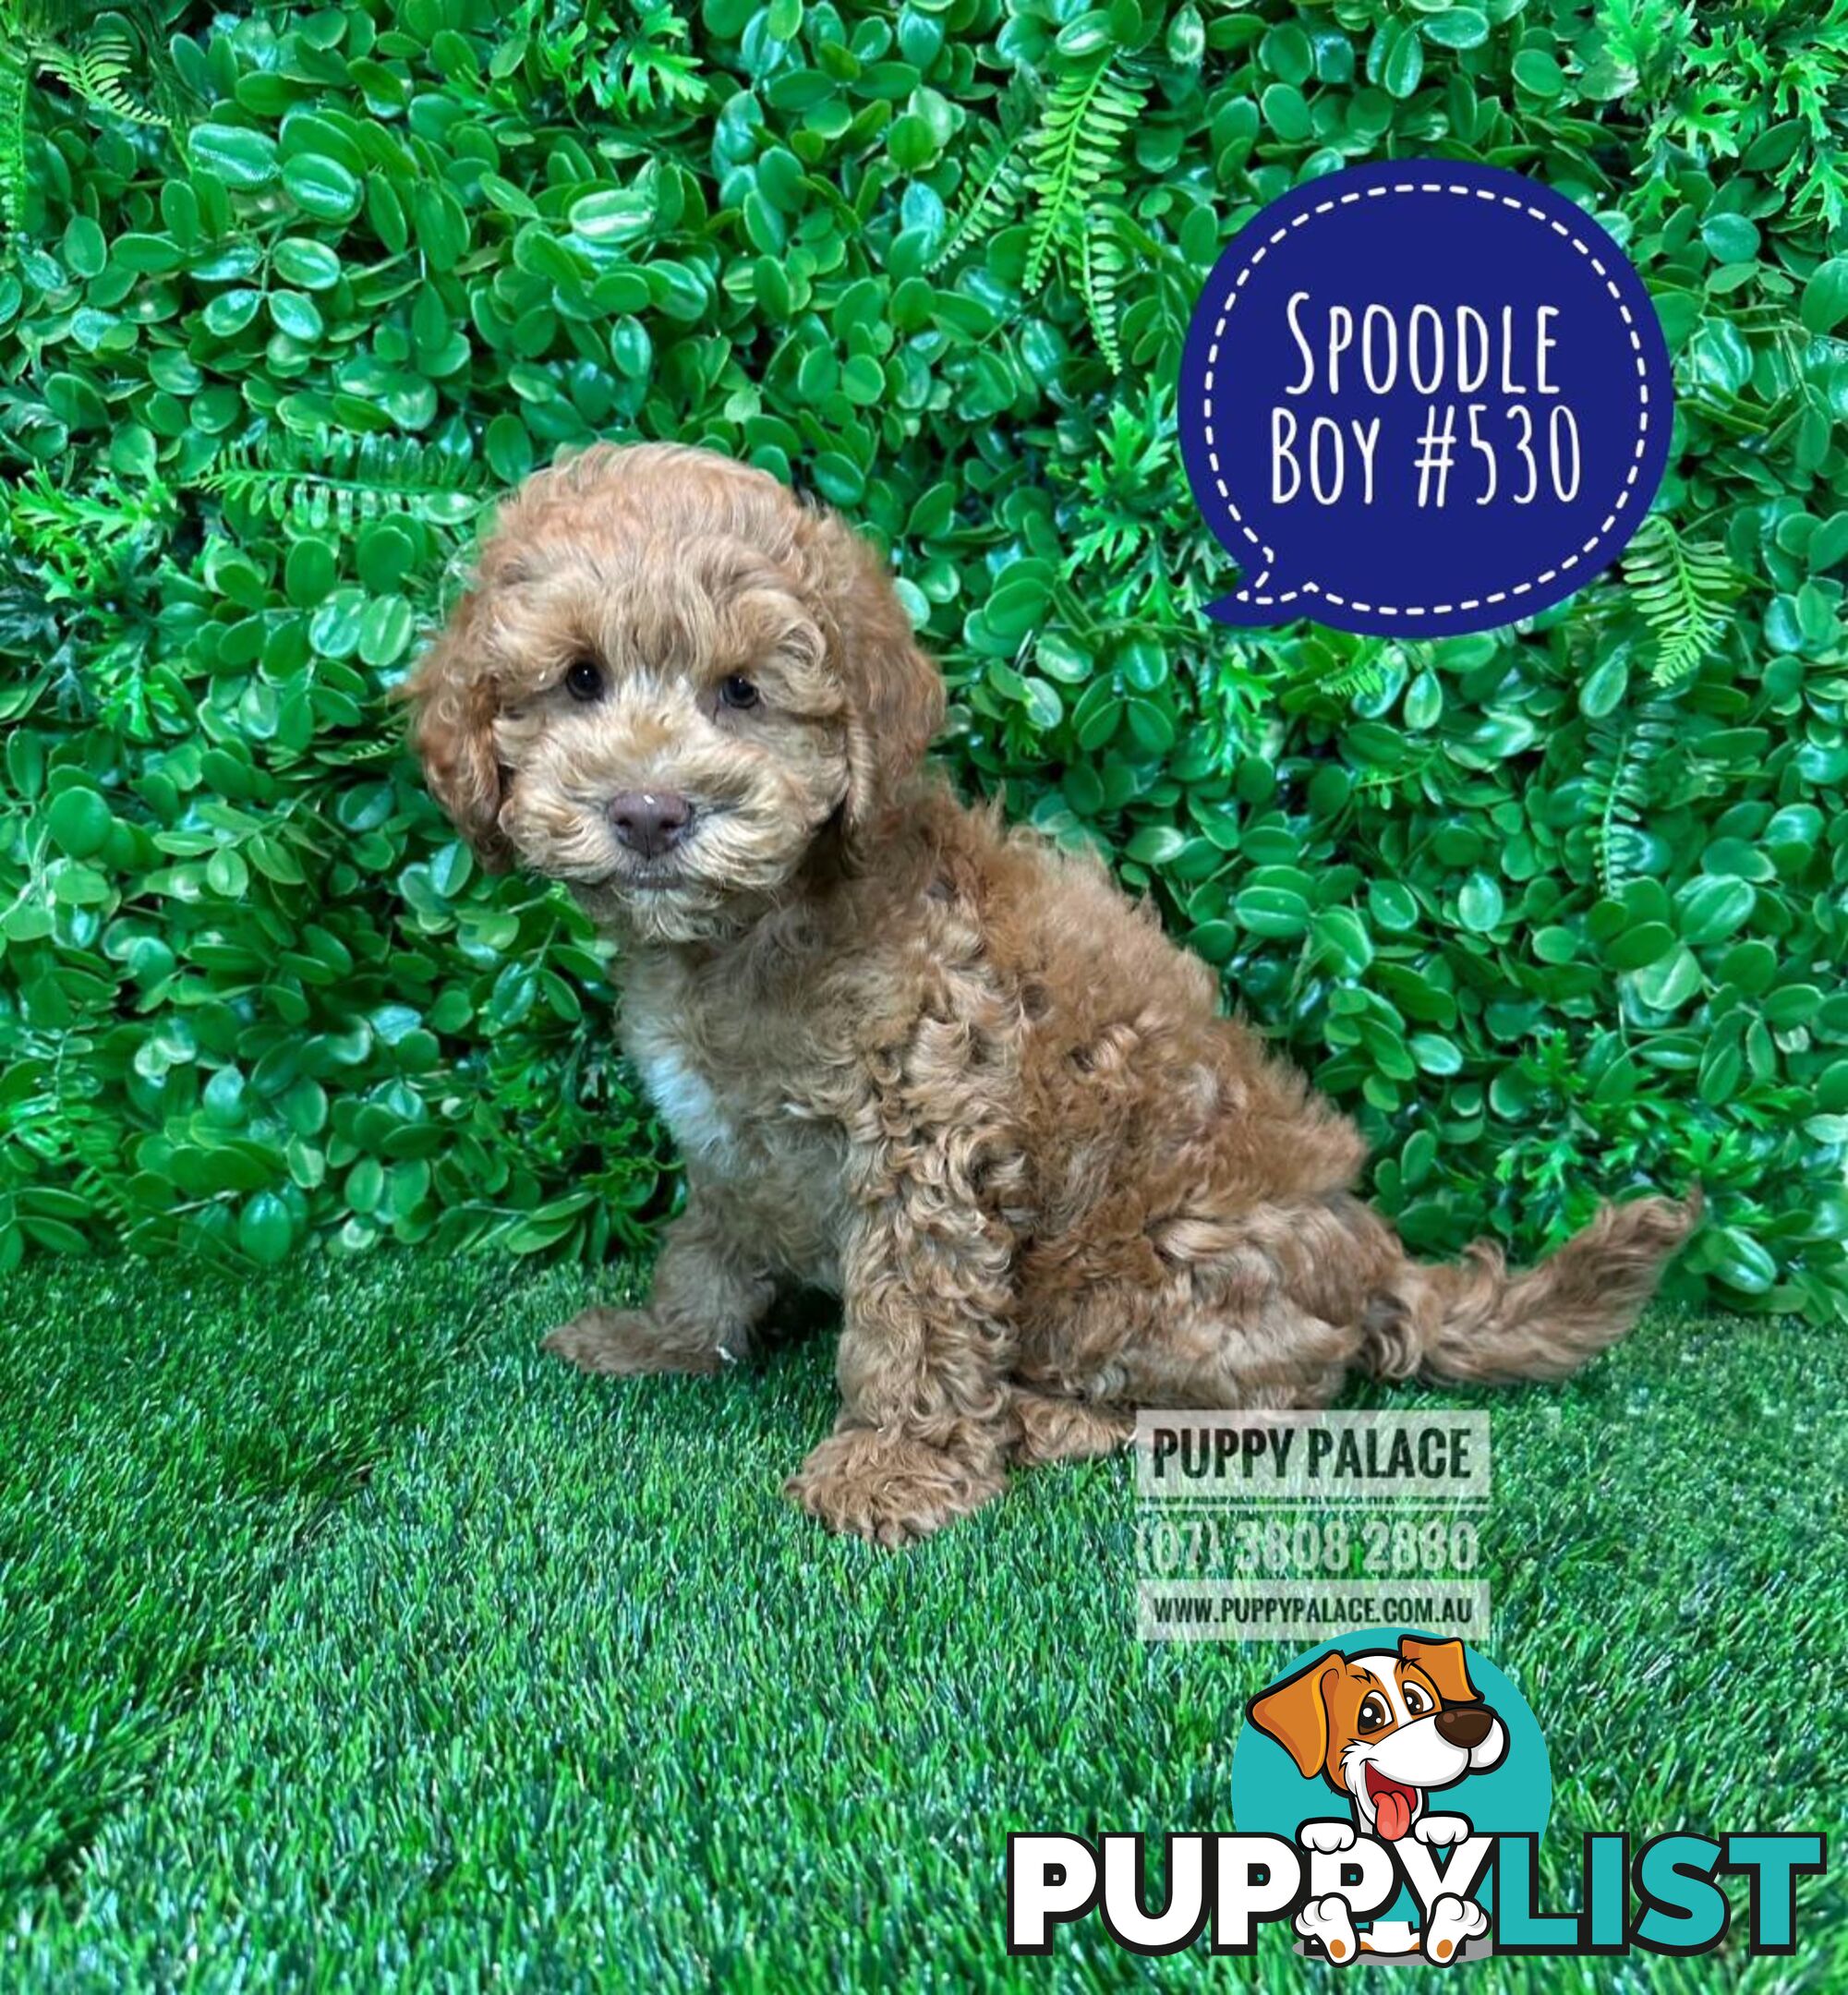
1421,397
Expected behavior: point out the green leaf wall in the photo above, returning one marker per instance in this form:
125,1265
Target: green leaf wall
1559,911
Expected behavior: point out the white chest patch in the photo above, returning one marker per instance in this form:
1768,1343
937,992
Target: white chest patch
686,1102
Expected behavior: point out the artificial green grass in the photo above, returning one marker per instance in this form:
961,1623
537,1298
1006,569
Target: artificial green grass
564,1687
168,1441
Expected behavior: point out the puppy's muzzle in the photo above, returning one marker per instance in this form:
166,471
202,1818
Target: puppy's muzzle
1465,1724
650,821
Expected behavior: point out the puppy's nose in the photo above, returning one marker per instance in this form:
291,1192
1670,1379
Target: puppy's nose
650,821
1465,1725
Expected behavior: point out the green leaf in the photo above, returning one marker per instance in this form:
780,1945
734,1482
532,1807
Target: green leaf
1155,844
231,311
1456,28
1539,73
264,1230
1639,944
1709,909
322,187
1479,906
837,478
1272,910
85,248
240,158
1825,295
80,821
1739,1261
1343,941
1398,60
1667,984
296,315
309,265
612,214
1393,906
385,629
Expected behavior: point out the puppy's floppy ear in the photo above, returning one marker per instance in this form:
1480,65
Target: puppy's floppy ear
453,704
1443,1662
1295,1713
897,719
895,698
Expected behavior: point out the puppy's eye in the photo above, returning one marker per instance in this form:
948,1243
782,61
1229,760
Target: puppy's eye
738,692
584,679
1373,1714
1416,1701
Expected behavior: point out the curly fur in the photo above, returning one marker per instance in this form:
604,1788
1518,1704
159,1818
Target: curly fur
943,1069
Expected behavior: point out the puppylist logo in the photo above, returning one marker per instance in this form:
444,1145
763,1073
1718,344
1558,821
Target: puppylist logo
1390,1793
1394,1732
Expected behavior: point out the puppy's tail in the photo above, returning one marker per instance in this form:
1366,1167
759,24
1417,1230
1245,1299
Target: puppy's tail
1476,1322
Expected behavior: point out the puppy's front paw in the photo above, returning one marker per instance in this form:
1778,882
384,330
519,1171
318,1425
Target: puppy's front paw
889,1489
623,1344
1327,1837
1439,1830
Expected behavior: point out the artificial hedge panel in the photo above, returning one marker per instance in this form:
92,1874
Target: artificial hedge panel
1556,911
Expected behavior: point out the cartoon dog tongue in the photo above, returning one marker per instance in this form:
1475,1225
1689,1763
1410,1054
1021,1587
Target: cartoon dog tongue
1392,1808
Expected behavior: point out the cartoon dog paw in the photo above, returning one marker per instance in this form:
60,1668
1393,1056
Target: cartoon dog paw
1327,1838
1441,1828
1329,1920
1453,1920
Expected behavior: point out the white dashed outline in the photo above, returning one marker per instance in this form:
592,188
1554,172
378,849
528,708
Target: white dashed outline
1249,593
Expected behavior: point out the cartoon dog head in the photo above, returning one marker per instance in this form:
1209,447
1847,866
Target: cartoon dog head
1385,1729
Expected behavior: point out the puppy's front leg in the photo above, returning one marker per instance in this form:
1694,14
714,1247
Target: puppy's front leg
924,1359
708,1297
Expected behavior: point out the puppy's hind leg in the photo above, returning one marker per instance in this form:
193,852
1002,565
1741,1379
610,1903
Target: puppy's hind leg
1249,1356
708,1297
1052,1429
1263,1309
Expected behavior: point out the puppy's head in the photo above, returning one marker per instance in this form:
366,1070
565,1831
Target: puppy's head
669,680
1385,1728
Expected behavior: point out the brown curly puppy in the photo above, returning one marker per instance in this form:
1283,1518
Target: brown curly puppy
942,1068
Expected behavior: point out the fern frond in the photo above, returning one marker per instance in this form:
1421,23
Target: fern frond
1102,261
1359,676
81,543
1681,589
38,503
14,179
99,70
1074,150
338,481
52,1091
1623,753
989,191
655,62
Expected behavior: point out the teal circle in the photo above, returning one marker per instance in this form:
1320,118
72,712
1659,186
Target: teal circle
1269,1797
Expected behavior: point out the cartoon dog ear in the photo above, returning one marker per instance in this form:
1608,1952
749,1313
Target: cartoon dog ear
1295,1713
1443,1663
452,697
893,691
